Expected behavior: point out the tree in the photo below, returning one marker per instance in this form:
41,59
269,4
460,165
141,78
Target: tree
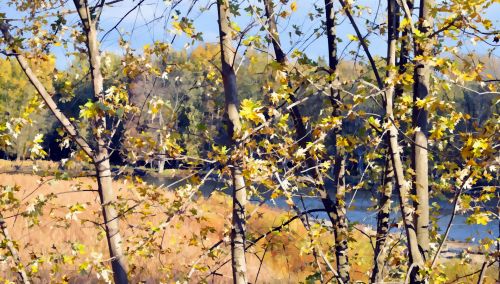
339,168
336,208
402,185
233,124
420,160
102,156
99,156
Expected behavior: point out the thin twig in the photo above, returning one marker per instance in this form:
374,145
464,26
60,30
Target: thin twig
450,222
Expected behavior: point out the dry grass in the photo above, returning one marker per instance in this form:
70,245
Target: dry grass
282,261
173,251
45,168
7,166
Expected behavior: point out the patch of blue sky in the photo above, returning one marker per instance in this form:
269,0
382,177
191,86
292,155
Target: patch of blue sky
151,21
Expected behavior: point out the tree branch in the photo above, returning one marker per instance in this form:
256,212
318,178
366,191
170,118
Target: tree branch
68,126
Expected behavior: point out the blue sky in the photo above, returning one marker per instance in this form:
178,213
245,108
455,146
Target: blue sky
138,31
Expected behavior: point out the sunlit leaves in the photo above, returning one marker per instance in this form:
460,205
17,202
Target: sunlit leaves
89,110
352,37
8,196
36,150
185,25
252,110
480,218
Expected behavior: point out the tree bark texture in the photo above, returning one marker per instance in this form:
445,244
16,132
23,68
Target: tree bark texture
101,159
402,185
238,238
420,160
406,46
342,232
380,252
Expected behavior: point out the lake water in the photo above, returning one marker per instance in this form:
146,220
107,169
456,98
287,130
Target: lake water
361,210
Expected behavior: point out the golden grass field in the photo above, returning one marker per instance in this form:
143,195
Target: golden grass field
283,261
179,253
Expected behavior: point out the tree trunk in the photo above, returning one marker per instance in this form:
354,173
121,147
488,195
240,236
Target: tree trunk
380,252
335,208
342,233
300,129
108,198
403,186
406,46
420,160
101,160
161,163
238,238
404,190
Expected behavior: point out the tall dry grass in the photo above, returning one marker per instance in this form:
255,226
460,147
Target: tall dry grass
54,235
169,254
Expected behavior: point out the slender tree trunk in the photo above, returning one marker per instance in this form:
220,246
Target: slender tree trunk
101,160
380,252
101,156
406,46
420,160
342,233
403,186
300,129
108,198
232,118
161,162
335,208
296,115
482,273
21,272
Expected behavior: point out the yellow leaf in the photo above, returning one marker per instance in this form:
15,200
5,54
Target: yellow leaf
404,22
176,25
251,110
479,146
480,218
352,37
440,61
34,268
293,6
487,24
